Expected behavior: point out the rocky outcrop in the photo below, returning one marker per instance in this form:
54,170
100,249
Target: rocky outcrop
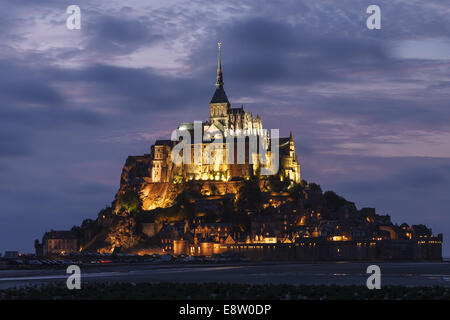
136,175
135,170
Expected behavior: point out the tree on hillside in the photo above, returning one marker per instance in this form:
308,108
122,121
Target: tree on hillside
297,191
185,201
124,234
315,197
333,201
130,201
249,195
315,188
276,184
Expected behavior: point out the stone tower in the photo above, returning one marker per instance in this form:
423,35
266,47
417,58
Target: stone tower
219,104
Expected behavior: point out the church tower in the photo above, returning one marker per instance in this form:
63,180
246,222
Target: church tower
219,105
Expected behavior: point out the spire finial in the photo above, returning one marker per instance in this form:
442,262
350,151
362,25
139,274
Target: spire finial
219,82
219,45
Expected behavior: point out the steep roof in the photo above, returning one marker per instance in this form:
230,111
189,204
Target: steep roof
283,145
219,96
163,143
60,235
236,110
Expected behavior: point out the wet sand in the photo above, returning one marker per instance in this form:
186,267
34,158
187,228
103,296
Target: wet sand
398,273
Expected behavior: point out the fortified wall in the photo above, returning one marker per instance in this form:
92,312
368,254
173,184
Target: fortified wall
323,250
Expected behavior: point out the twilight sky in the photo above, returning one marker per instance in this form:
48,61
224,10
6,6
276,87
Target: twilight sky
369,109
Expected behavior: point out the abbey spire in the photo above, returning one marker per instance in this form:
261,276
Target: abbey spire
219,95
219,80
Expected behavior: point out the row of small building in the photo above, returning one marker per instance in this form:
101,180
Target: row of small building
270,229
272,237
270,240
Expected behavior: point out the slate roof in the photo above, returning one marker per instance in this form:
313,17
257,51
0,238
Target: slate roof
219,96
163,143
236,110
284,146
60,235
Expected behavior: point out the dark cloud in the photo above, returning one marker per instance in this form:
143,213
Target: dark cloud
135,90
13,145
412,179
30,101
259,51
112,35
372,107
20,84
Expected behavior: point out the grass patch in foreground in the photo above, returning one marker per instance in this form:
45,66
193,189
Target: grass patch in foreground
219,291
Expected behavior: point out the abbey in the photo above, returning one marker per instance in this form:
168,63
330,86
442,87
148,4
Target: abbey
232,126
230,121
